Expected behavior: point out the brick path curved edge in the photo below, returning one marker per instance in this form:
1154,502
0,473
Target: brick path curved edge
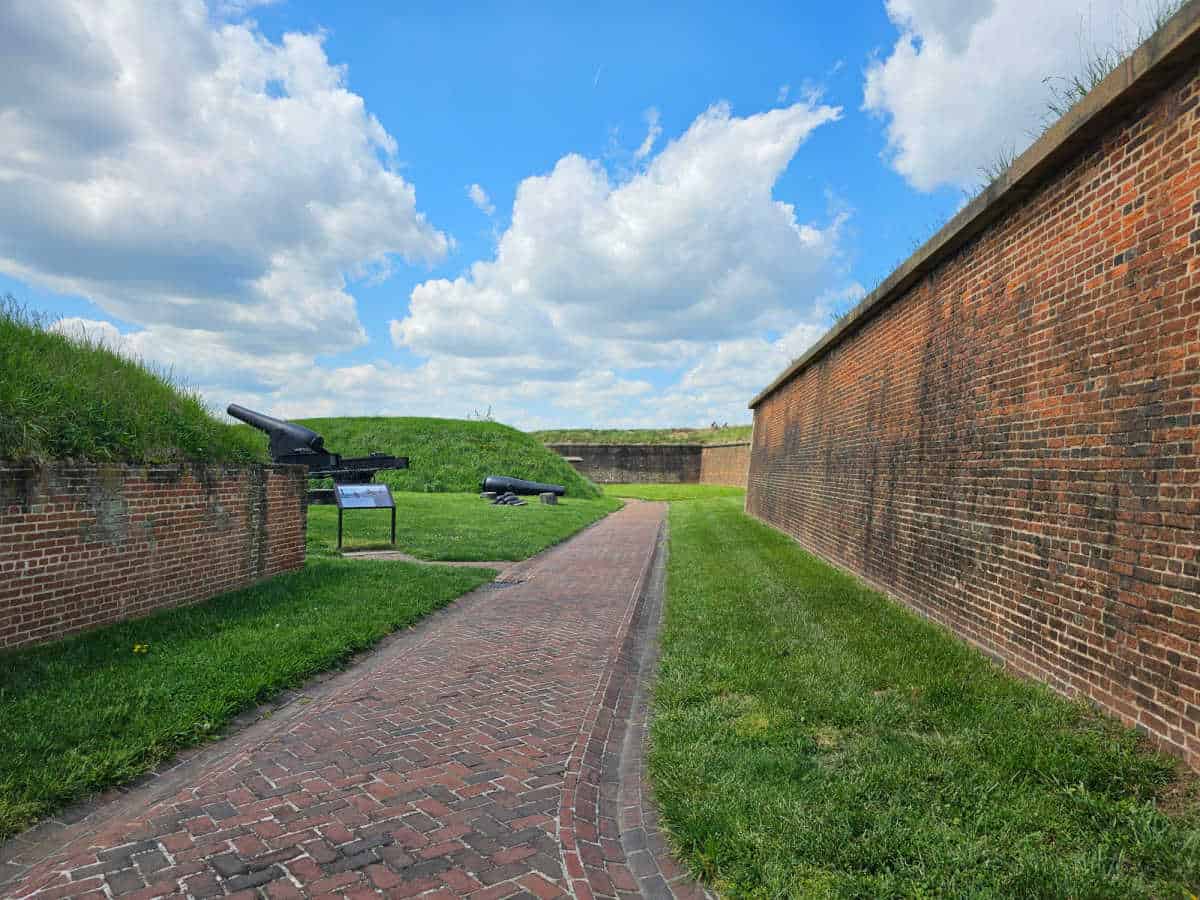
493,751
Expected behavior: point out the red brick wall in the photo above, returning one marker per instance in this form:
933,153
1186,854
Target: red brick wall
1011,446
659,463
634,463
84,545
725,464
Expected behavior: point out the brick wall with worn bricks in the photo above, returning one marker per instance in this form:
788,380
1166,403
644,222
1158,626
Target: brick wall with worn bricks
725,464
634,463
659,463
1010,445
84,545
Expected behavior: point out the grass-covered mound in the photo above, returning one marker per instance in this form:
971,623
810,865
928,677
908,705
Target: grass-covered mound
450,454
62,398
728,435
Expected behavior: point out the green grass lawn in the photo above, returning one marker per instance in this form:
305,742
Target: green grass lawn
673,491
457,526
87,713
728,435
812,738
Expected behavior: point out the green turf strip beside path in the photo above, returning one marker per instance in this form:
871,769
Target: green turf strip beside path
90,712
812,738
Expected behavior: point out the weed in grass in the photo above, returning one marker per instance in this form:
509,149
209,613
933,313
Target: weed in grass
83,714
457,526
812,738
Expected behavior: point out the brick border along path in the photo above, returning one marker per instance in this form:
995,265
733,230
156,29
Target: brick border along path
493,751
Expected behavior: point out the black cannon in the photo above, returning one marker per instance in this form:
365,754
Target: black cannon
293,444
502,484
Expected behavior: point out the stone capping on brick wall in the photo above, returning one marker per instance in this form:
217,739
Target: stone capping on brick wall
1147,69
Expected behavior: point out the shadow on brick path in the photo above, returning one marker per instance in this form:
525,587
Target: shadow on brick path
495,750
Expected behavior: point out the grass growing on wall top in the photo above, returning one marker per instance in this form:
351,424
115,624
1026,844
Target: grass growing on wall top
449,454
64,398
730,434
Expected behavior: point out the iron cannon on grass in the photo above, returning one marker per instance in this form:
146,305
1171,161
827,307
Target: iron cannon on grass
503,484
292,444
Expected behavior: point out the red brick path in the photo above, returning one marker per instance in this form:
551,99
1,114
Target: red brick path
484,754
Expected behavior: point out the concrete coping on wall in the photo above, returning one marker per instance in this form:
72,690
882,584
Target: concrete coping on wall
1152,65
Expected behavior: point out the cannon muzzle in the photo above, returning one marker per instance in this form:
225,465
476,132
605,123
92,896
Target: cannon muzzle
286,437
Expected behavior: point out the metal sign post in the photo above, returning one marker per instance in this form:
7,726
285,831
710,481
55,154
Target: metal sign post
363,496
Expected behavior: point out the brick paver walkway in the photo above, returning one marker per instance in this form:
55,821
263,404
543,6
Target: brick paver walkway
493,751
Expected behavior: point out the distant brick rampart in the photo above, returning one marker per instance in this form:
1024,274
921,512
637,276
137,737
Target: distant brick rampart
84,545
1006,435
725,464
659,463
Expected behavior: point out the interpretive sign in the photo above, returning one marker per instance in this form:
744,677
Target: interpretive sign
363,496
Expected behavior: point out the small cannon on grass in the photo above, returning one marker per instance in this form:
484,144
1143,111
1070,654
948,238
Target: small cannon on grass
502,484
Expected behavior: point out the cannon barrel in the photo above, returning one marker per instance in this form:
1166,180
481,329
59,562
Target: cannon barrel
286,437
502,484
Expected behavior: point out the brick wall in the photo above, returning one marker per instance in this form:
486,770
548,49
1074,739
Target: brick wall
84,545
1005,437
659,463
725,464
634,463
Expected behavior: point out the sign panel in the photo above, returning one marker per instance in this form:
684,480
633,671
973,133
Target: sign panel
364,496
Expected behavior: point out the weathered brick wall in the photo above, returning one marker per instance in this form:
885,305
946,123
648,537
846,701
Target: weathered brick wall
725,464
659,463
84,545
1010,445
634,463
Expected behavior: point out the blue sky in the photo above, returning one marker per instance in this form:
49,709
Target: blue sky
275,201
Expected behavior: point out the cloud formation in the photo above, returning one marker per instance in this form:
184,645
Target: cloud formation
653,130
188,174
966,81
480,198
644,272
221,192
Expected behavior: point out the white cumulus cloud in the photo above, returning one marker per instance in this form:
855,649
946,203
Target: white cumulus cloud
192,176
645,272
966,81
221,192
